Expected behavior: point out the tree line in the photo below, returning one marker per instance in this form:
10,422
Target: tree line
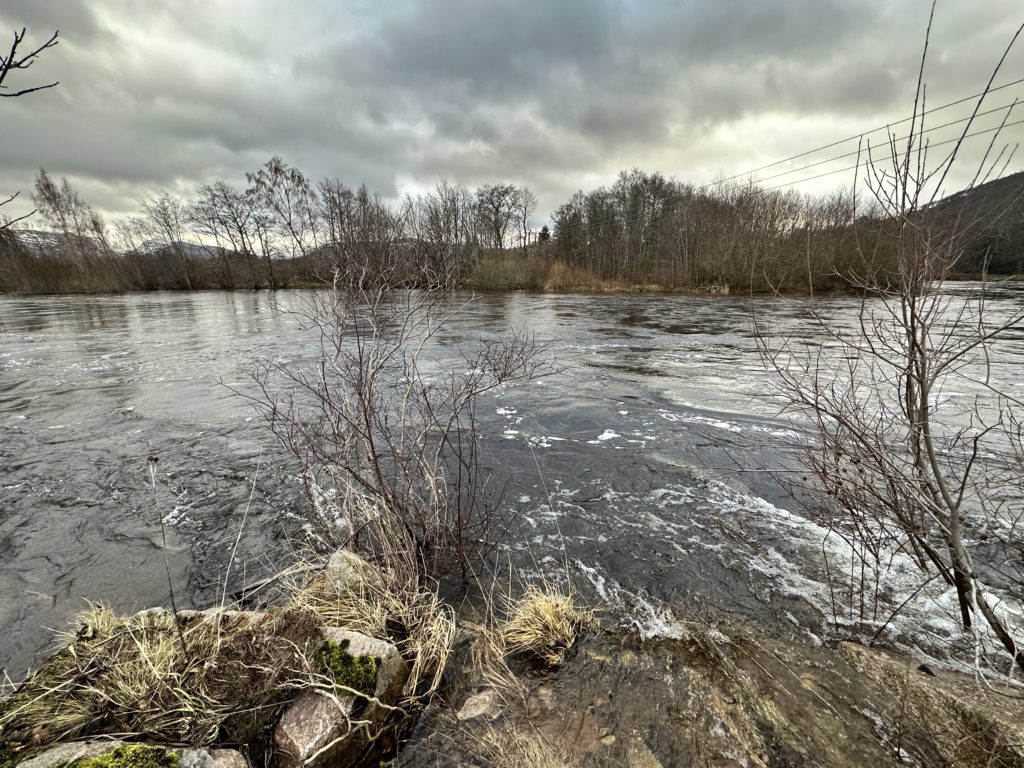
279,230
645,231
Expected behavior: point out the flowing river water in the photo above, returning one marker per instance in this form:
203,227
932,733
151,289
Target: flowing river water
638,470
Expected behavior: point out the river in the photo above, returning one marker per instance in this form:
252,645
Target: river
637,470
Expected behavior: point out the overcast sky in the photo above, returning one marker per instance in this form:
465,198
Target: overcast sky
557,94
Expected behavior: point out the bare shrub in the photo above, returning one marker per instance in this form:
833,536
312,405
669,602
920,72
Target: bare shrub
388,442
16,60
903,466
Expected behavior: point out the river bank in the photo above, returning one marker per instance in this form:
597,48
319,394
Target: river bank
719,693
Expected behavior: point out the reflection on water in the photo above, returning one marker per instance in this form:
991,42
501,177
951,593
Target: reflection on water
654,394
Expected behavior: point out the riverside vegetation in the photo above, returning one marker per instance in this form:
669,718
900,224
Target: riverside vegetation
644,233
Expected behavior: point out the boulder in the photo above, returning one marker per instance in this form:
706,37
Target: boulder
64,754
348,571
321,729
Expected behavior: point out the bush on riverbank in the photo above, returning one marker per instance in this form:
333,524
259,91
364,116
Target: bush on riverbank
223,677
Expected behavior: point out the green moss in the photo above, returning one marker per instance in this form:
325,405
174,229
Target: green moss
356,672
8,758
130,756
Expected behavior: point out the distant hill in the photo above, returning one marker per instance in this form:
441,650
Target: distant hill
182,247
38,240
996,242
985,198
45,242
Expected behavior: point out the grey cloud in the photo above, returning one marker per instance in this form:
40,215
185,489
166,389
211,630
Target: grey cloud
552,94
75,19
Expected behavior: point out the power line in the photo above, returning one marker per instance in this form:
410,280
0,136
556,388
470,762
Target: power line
900,139
866,133
930,146
618,223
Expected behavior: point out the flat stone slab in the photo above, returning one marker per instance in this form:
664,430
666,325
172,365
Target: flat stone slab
62,754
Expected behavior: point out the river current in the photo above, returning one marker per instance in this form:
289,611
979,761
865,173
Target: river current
638,470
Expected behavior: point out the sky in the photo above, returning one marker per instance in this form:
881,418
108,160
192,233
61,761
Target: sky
559,95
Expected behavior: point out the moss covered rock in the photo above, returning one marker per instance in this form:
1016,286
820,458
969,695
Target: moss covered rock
130,756
357,673
117,754
322,731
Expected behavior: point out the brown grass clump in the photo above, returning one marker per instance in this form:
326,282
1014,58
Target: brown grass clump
383,604
510,272
513,748
544,624
200,680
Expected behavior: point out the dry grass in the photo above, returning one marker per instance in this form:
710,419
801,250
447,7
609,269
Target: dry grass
544,624
207,679
510,272
513,748
391,606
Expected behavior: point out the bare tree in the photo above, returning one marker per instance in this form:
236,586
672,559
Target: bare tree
167,218
443,226
904,468
15,60
496,204
82,229
525,206
290,203
362,235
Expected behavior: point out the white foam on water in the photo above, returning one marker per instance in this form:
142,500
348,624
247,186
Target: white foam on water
178,515
695,419
639,611
608,434
787,557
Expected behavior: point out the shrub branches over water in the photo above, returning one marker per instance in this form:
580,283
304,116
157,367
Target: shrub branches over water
387,438
904,463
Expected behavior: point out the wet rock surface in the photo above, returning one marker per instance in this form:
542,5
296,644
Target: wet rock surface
730,696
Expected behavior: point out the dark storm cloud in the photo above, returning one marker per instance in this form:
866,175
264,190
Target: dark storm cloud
557,95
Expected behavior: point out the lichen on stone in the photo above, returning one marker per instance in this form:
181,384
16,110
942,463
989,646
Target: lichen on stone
358,673
130,756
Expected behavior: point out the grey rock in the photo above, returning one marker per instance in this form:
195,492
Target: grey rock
62,754
348,571
392,672
317,730
486,704
209,615
321,729
211,758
